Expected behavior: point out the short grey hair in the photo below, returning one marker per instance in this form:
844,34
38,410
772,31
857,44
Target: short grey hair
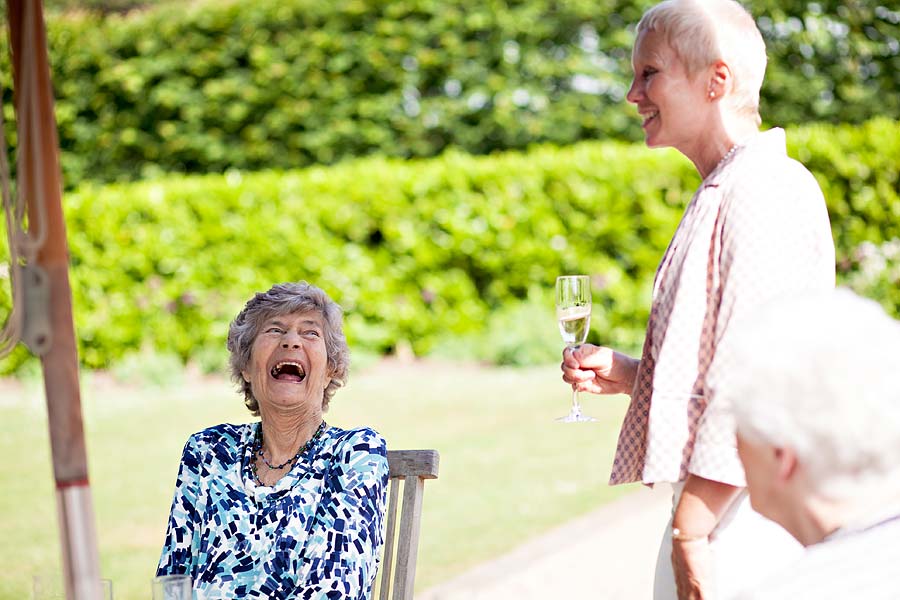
820,374
285,299
701,32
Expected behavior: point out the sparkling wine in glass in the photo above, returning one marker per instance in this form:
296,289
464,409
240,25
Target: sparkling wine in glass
573,311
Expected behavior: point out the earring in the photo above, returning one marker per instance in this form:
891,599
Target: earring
712,94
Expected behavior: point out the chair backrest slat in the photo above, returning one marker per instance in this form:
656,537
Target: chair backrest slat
413,467
390,530
408,544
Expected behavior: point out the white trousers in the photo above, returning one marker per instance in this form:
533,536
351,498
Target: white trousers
745,547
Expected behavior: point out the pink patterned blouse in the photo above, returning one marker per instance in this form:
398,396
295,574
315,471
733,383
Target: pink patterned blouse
756,229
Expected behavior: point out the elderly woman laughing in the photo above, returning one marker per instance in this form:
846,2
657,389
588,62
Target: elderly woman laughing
286,507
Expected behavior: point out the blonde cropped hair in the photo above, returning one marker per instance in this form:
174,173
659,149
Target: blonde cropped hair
701,32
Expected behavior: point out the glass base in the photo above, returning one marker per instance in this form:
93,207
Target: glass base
576,417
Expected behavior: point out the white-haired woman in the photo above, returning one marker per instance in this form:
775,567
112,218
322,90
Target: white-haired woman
820,441
286,507
756,228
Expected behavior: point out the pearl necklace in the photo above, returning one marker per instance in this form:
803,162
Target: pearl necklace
257,450
727,155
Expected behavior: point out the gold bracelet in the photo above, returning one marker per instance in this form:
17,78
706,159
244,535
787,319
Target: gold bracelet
679,536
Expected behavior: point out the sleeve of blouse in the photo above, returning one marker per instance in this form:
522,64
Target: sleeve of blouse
181,545
345,550
775,242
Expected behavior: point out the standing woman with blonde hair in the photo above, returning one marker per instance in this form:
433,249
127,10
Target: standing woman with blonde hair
756,229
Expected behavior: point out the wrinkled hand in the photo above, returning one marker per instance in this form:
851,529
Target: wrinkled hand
599,370
692,562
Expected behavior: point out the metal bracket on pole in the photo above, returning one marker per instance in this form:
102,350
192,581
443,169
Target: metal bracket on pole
36,332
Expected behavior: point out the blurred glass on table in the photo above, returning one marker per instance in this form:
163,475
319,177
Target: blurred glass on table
172,587
50,587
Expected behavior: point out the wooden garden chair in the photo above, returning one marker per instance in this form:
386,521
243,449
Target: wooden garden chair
412,467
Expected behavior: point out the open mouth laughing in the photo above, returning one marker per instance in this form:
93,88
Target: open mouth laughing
289,371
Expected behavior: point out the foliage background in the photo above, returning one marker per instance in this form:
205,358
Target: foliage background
204,87
454,255
472,173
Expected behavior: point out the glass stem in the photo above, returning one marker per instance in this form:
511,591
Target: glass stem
576,408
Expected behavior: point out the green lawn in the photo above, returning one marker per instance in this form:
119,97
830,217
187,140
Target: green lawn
508,471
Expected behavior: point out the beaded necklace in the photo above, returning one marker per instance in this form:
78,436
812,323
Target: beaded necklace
257,450
727,156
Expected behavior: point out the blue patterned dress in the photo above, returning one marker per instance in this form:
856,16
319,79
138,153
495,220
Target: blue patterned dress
317,533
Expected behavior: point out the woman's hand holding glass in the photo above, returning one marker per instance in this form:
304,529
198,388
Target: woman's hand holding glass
599,370
573,312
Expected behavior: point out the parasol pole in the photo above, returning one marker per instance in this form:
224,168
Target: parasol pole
39,184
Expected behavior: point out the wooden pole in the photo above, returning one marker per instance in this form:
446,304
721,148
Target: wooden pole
39,183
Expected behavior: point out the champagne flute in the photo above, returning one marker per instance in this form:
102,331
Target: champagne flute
573,311
172,587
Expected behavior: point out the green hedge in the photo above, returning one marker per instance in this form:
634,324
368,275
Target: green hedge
425,251
288,83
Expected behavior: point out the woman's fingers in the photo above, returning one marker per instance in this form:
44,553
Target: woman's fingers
585,363
586,356
569,359
598,369
576,376
590,387
597,358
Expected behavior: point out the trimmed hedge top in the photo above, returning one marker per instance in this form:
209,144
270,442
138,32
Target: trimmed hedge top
424,250
288,83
